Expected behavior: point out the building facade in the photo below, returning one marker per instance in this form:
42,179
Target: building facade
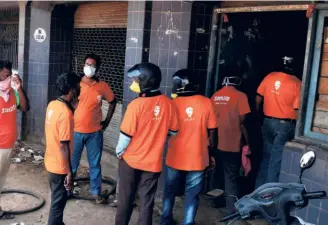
44,39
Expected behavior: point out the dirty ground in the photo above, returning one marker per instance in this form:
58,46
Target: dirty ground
30,175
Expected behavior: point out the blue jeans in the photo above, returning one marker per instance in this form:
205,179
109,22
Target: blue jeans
193,187
275,135
94,145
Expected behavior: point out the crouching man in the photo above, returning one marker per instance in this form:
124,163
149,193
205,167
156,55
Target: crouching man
10,100
146,124
59,129
188,154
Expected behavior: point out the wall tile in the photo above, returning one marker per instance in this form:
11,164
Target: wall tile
323,217
173,59
183,59
163,58
316,172
156,19
185,21
157,6
312,215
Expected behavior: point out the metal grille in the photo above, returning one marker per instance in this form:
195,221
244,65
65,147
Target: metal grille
109,44
9,36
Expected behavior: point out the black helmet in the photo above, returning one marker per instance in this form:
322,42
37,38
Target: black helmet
288,64
232,74
149,76
185,82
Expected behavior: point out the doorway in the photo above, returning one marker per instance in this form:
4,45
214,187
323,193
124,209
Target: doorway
258,41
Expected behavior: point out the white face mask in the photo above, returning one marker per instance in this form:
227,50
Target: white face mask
89,71
235,81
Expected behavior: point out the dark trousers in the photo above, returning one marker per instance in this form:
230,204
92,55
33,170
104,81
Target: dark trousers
275,135
230,162
58,199
132,180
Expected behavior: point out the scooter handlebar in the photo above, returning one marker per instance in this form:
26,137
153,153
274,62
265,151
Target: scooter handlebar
315,195
229,217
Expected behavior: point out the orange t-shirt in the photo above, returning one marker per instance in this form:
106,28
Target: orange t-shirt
59,126
188,150
88,115
147,120
281,94
229,104
8,125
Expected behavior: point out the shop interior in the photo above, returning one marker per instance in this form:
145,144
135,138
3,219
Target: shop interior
258,41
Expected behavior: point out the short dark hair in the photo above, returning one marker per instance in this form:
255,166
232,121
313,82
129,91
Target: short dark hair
66,82
5,64
95,57
232,70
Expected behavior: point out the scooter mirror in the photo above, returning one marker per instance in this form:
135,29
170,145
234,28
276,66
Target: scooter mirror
307,160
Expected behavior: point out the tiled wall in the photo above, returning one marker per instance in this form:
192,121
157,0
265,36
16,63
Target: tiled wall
62,22
136,47
38,68
315,179
199,45
169,39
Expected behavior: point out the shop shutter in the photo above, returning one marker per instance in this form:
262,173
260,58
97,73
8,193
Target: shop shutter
101,15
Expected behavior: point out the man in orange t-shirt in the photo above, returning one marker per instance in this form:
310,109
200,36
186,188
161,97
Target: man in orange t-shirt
231,107
12,97
88,124
280,92
146,123
59,129
188,154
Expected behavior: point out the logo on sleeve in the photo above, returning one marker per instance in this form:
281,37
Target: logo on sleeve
49,115
189,112
157,110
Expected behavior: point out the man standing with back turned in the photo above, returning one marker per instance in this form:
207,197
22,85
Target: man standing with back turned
146,123
280,92
188,154
231,107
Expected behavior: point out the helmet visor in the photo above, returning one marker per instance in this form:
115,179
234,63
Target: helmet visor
134,72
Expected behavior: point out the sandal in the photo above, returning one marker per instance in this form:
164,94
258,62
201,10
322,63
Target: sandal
100,199
113,201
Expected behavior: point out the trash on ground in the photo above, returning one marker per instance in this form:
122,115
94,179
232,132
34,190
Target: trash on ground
16,160
38,158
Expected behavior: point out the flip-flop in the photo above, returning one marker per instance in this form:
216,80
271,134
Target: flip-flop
100,200
113,203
